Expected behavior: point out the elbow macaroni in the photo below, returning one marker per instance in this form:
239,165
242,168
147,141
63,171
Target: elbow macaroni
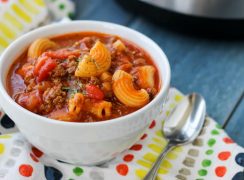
39,46
98,61
76,103
106,86
119,45
101,56
126,93
146,76
106,77
101,109
86,67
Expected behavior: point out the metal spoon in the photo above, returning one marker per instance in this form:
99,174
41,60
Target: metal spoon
182,127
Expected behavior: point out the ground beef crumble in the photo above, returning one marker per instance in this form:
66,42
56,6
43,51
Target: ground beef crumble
53,97
59,71
71,67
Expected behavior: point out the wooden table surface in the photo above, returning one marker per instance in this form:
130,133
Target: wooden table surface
211,67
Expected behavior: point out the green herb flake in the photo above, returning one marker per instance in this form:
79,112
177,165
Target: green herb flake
81,85
79,59
65,88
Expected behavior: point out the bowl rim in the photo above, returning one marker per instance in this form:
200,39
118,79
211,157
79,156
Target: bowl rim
162,91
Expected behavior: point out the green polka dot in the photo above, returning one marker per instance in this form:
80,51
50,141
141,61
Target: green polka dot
214,132
78,171
218,126
211,142
61,6
209,152
71,15
206,163
202,172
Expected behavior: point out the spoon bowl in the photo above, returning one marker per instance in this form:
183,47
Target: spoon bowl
182,127
186,120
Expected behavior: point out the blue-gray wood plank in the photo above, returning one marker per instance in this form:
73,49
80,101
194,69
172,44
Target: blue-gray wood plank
214,68
235,127
102,10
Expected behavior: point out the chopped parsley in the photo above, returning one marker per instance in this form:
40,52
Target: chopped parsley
65,88
79,59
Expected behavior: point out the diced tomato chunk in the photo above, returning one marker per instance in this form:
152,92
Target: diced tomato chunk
49,65
43,66
40,62
94,92
31,100
62,54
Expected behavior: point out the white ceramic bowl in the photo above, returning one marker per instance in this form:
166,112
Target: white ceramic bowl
83,143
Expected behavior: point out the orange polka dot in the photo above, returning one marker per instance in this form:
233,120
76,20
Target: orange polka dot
37,152
128,157
228,140
220,171
26,170
224,155
122,169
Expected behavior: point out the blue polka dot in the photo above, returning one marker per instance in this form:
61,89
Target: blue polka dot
6,122
238,176
240,159
52,173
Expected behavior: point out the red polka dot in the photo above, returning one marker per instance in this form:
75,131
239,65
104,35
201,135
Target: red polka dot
37,152
128,157
143,136
220,171
26,170
136,147
122,169
227,140
152,125
33,157
224,155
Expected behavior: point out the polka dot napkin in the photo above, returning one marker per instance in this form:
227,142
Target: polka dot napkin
20,16
212,156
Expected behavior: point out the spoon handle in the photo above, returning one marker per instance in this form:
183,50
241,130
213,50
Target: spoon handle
151,175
